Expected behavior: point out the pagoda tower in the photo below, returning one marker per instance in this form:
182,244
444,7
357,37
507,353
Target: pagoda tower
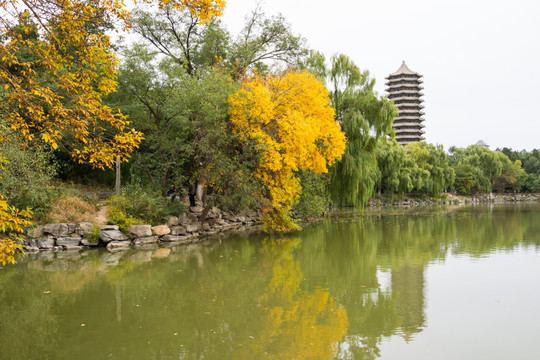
404,87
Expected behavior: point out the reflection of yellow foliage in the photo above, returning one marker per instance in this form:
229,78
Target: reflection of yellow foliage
290,119
297,324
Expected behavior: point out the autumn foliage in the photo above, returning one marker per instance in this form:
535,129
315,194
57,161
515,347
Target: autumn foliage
56,64
12,221
290,119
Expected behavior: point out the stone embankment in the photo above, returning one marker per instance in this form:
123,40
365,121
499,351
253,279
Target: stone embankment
184,229
451,199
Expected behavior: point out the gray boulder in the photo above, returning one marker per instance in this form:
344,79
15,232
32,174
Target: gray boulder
187,218
139,231
57,230
84,228
109,227
112,235
178,230
145,240
177,239
242,219
86,242
68,241
31,245
196,209
36,231
45,244
173,221
192,228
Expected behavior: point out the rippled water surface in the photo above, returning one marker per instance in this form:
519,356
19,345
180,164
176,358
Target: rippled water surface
455,283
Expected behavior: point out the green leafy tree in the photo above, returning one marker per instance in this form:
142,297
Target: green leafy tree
486,164
148,93
512,175
182,37
465,182
264,42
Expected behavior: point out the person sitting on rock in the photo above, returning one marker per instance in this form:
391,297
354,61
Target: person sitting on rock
172,192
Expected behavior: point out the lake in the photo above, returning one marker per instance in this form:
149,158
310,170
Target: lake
428,283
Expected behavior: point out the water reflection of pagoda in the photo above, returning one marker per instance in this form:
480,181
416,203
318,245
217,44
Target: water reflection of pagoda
404,88
408,284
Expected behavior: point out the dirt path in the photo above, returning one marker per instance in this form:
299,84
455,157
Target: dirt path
101,217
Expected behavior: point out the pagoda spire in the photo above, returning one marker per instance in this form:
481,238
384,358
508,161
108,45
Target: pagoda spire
404,88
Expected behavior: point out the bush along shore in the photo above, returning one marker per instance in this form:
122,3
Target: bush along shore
186,228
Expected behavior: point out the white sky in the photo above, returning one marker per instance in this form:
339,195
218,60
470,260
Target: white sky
480,59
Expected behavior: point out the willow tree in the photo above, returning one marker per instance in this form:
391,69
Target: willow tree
396,168
436,175
486,164
364,117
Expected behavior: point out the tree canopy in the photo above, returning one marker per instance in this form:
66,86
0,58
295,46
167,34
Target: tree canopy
290,119
56,64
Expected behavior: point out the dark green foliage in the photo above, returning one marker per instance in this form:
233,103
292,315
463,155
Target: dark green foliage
25,174
138,205
314,198
485,163
532,183
465,182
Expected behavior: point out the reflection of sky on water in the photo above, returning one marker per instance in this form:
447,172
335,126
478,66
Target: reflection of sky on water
478,308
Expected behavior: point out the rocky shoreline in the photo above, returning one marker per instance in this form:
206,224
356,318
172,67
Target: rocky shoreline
451,199
186,228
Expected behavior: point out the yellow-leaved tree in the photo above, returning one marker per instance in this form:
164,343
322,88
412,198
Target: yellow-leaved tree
290,119
56,64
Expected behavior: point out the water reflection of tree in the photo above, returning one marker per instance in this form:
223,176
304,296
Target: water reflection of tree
402,246
297,324
250,297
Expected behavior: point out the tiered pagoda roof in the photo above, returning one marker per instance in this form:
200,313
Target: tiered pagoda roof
404,88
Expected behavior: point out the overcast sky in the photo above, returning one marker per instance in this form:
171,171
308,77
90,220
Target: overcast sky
480,59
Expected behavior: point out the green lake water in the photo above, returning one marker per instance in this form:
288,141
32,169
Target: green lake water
449,283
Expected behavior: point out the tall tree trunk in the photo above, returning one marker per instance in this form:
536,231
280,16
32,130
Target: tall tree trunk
117,183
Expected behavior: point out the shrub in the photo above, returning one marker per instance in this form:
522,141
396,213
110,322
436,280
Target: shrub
93,237
140,205
118,217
